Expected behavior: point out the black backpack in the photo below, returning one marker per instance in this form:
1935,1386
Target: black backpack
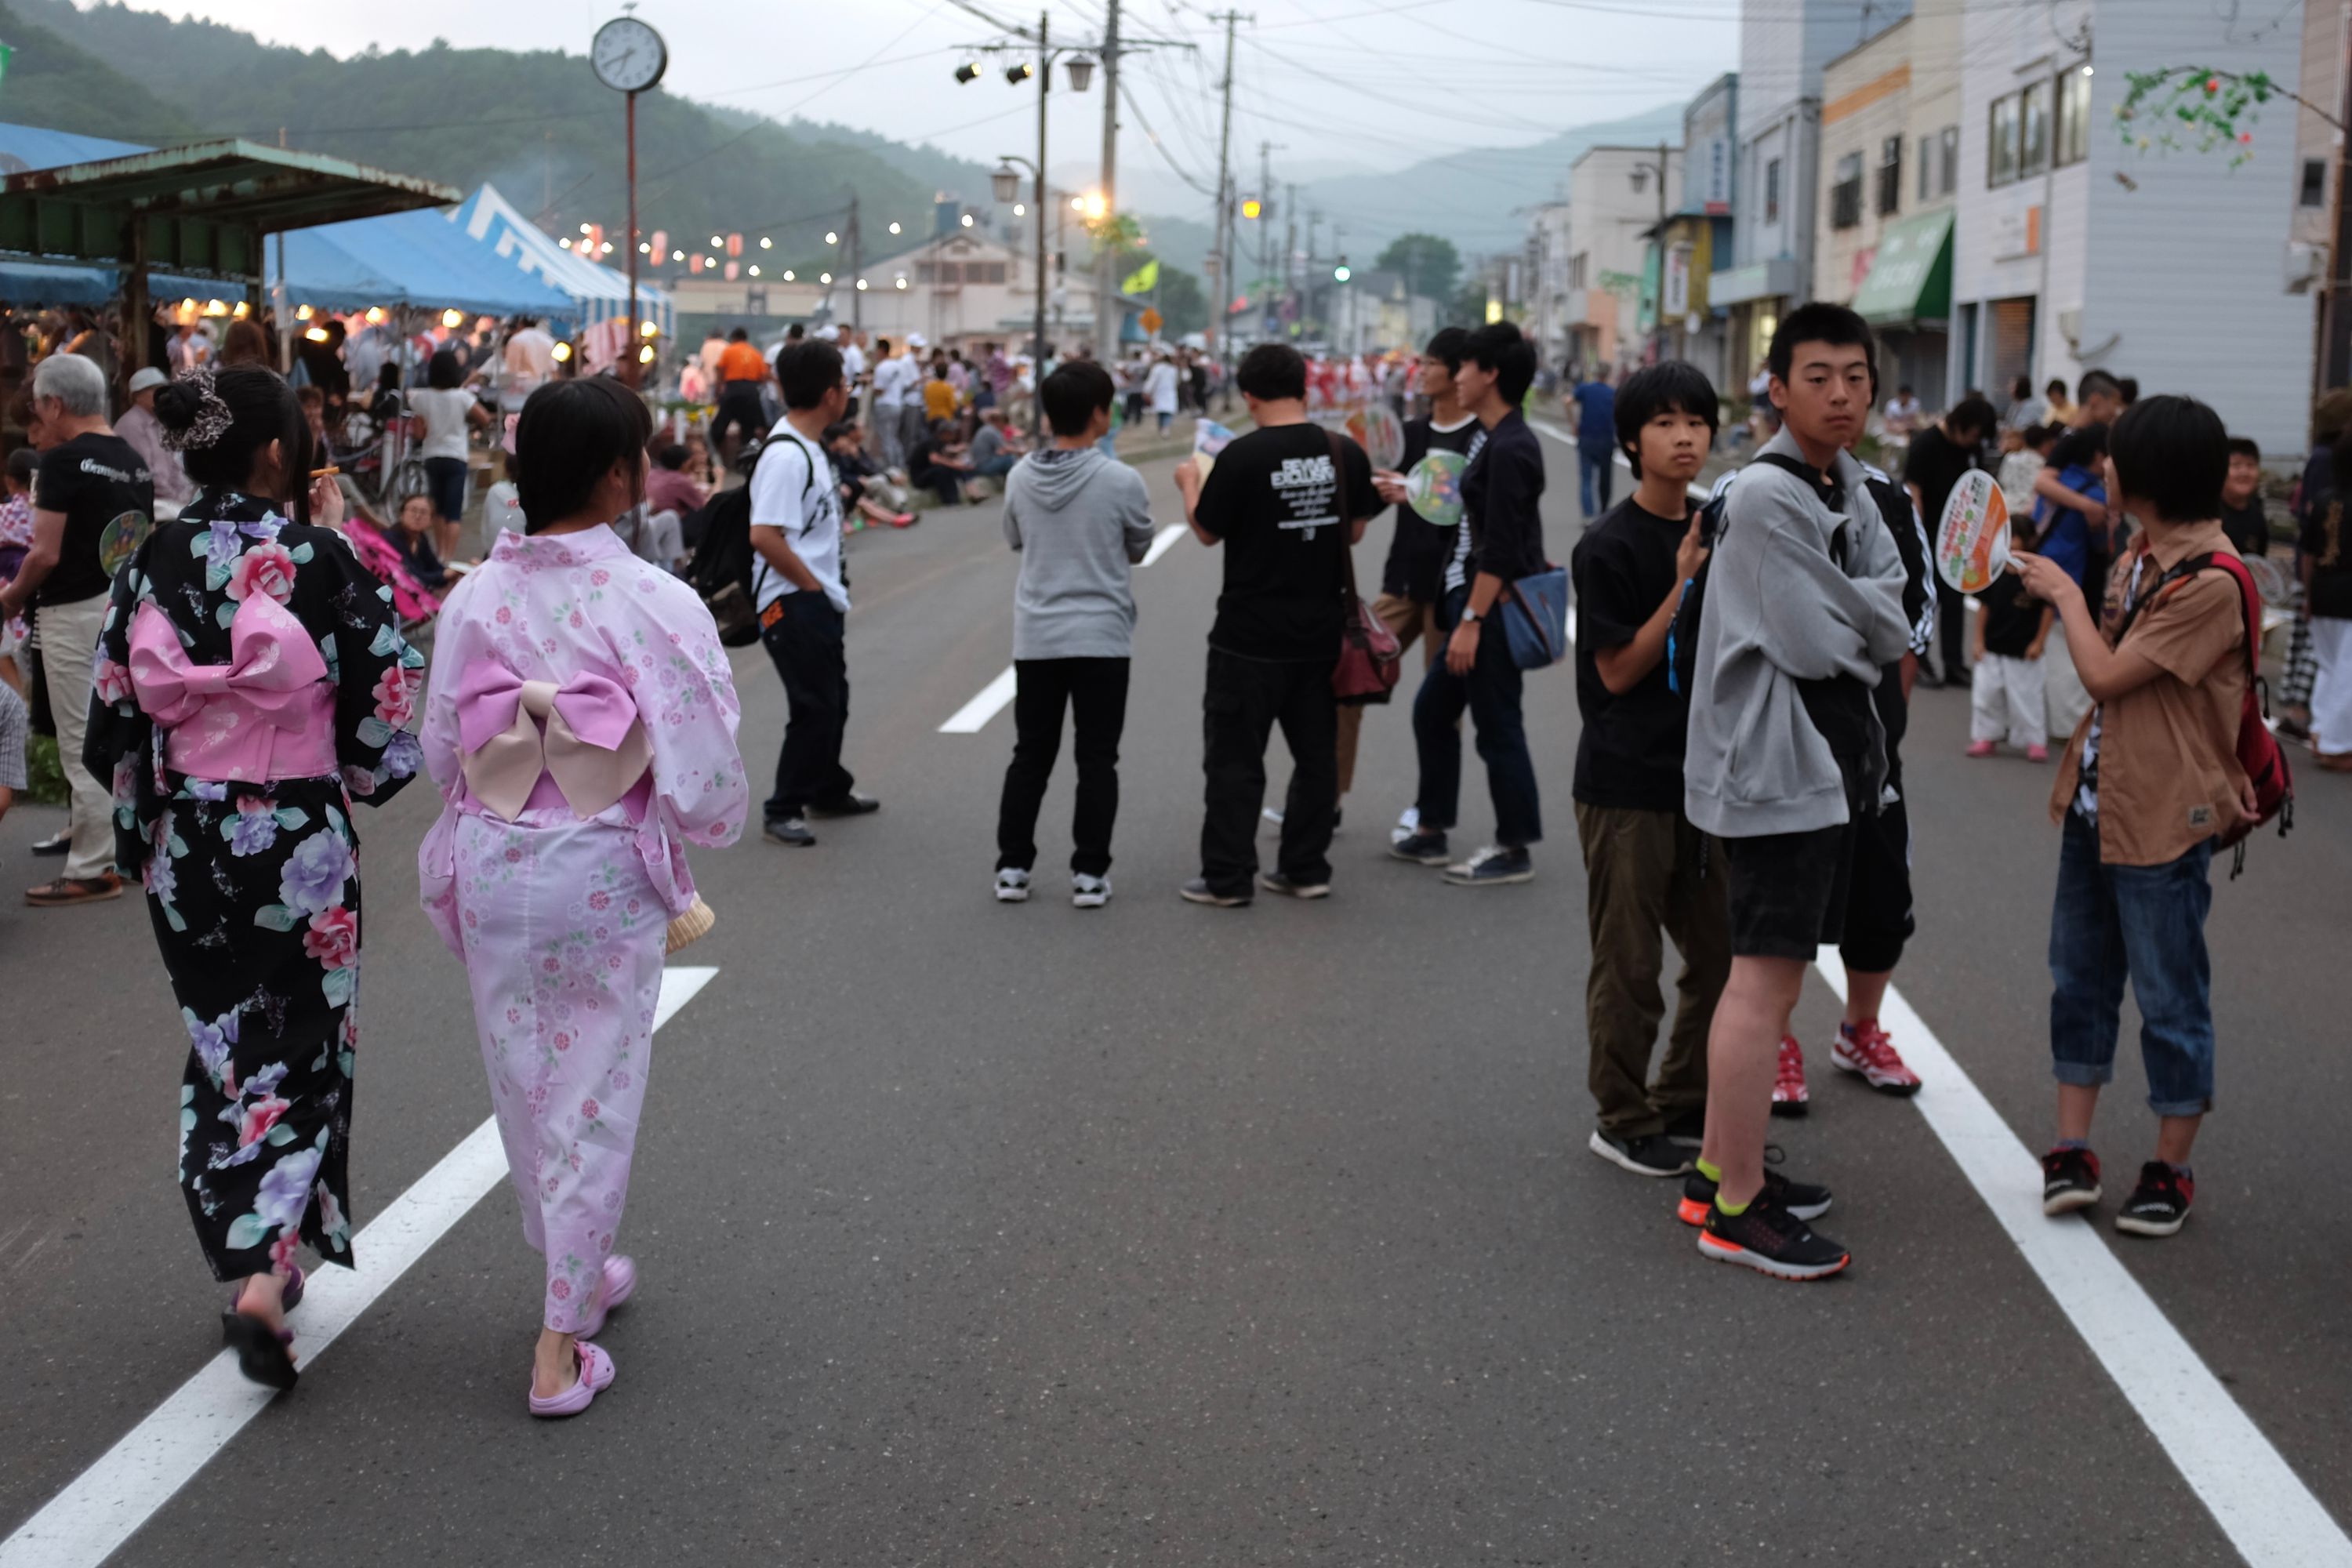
1682,632
724,562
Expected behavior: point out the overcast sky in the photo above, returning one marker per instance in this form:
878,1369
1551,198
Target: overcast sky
1358,84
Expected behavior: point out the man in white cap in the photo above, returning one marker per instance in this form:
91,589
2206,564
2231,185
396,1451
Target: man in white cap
140,426
912,425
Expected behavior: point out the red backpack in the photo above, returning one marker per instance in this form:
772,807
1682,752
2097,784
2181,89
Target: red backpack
2258,749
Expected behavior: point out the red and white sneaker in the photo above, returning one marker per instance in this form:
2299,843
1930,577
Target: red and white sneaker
1788,1081
1867,1051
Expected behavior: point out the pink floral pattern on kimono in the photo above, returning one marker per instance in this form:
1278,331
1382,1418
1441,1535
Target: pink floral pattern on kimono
561,919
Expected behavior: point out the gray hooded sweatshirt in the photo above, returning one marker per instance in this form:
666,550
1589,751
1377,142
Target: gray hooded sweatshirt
1778,610
1080,521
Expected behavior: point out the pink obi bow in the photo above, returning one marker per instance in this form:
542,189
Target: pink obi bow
593,745
267,713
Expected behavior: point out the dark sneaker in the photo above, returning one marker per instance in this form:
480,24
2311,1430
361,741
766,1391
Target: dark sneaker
1789,1096
1276,882
1198,891
791,830
1802,1199
75,890
1688,1128
1769,1239
1493,867
55,844
2069,1181
1649,1154
1422,848
2159,1204
851,805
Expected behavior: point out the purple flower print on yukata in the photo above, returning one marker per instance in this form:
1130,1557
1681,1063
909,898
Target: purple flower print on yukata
312,881
256,827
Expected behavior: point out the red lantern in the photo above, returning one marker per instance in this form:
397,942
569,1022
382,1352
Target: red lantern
732,269
694,262
734,246
660,243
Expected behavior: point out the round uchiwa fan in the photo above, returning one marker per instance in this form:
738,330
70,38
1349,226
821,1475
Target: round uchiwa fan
1972,540
1433,488
1376,428
690,926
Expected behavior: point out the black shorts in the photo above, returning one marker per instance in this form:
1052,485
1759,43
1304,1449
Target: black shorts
1879,911
1789,891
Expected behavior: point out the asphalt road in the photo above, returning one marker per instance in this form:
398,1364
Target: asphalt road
974,1234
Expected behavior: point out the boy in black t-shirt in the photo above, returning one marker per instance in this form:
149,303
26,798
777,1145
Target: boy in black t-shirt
2006,702
2243,517
1286,501
1644,864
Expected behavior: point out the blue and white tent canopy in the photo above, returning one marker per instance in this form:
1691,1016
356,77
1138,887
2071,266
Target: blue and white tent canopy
597,293
418,258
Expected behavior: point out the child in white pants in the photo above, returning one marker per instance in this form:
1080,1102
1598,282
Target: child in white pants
2005,691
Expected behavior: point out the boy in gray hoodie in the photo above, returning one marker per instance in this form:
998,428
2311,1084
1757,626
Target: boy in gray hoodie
1080,521
1786,755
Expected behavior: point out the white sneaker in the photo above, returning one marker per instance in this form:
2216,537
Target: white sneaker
1088,892
1012,886
1273,814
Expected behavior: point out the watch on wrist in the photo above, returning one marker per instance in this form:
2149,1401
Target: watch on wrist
1470,617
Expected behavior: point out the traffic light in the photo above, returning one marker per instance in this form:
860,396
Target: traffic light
1251,208
1343,272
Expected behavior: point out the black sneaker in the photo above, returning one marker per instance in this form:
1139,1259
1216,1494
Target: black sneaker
1422,848
791,830
1802,1199
55,844
1276,882
1649,1154
851,805
2069,1181
1767,1238
1688,1128
2159,1204
1493,867
1198,891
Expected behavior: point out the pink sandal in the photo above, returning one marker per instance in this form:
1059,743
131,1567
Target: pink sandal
595,1376
618,1284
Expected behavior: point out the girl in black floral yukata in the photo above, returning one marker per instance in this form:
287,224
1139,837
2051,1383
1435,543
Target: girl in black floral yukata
251,683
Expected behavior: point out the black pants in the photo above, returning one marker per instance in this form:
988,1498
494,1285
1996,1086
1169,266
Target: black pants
944,483
1245,699
805,642
1095,692
739,405
1951,631
1491,692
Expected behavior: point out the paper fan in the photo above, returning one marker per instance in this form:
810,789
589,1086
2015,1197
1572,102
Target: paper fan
1376,428
1972,540
1433,488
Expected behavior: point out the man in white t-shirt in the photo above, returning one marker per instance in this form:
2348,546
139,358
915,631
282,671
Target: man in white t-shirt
912,424
853,366
893,378
802,596
531,362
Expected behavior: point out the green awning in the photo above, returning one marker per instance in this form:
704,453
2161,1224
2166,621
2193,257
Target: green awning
1911,277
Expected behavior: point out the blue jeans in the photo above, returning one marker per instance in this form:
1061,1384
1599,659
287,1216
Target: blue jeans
2146,923
1596,474
1491,692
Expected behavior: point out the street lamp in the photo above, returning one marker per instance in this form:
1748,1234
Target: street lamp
1638,176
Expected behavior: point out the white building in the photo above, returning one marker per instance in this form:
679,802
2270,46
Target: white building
1699,233
2075,249
1613,199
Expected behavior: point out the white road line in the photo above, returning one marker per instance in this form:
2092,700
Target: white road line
974,715
1164,541
107,1503
2267,1512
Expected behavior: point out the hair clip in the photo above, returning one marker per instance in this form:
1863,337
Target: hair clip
212,421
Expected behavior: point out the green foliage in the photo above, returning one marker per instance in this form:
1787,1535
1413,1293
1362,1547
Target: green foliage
45,780
1467,305
2167,109
1429,264
53,83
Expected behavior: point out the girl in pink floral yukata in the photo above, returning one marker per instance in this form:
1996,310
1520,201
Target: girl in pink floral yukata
580,725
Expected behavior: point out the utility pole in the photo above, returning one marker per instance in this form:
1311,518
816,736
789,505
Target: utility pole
1290,240
856,299
1109,317
1218,317
1264,220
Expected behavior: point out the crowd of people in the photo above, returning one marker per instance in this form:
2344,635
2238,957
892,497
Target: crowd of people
1744,663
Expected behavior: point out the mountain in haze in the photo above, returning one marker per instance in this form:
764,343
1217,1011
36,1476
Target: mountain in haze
54,82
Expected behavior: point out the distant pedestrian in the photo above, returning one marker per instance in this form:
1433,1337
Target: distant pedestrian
2006,700
1938,457
1080,521
1286,500
739,375
893,378
2326,568
2073,526
1160,386
1595,403
2244,516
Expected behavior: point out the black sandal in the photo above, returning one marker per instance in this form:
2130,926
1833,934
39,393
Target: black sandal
263,1353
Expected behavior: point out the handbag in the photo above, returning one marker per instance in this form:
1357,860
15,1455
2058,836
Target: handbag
1535,618
1370,657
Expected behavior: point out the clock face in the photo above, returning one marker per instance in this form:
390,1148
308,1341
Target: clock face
629,55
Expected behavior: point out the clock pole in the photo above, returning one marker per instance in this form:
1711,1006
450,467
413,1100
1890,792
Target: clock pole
631,248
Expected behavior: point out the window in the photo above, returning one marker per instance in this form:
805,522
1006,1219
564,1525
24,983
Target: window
1890,174
2033,117
2074,116
1576,270
1846,196
1947,161
2000,158
2314,183
1773,190
1927,167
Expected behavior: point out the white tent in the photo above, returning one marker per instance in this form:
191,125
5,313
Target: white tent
600,293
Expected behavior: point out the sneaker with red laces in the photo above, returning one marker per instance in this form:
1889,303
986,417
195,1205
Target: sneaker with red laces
1788,1081
1865,1050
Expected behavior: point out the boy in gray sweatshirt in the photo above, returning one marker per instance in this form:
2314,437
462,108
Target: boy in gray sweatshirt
1080,521
1786,755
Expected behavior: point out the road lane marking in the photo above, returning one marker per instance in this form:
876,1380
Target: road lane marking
974,716
107,1503
2265,1509
1164,541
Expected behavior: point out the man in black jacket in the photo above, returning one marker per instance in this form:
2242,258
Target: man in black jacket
1501,542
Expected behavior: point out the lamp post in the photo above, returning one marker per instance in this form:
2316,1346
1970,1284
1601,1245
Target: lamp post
1637,177
629,57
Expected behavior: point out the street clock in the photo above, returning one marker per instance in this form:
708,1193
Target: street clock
628,55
